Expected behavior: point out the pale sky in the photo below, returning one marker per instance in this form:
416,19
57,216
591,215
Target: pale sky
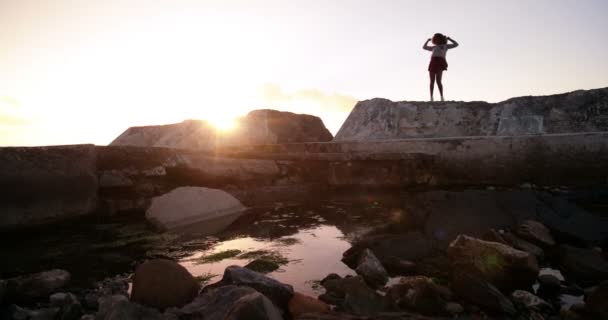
82,71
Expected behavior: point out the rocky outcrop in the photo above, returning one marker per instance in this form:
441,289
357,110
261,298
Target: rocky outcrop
44,184
371,269
381,119
258,127
162,284
186,207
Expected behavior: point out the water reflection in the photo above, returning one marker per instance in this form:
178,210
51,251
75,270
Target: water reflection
315,254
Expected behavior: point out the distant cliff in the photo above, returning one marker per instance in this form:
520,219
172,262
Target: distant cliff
258,127
381,119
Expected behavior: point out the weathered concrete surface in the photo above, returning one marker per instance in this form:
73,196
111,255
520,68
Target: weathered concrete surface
149,172
43,184
577,159
258,127
381,119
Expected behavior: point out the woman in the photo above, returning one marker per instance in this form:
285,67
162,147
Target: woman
438,63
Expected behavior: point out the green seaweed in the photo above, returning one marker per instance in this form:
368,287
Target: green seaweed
218,256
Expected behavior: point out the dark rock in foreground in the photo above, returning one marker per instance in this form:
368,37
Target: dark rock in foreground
162,284
586,266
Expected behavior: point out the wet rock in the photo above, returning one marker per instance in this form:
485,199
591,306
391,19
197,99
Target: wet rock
586,266
276,291
301,304
87,317
514,241
230,303
351,294
68,304
454,308
380,316
597,301
549,286
35,286
262,266
480,292
187,206
19,313
400,267
530,301
118,307
162,284
371,269
386,247
114,178
330,316
535,232
116,285
420,294
502,266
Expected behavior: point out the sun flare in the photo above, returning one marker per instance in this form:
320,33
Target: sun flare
223,124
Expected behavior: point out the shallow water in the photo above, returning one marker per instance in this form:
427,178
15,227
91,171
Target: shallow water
307,241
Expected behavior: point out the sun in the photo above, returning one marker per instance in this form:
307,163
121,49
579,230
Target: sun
223,123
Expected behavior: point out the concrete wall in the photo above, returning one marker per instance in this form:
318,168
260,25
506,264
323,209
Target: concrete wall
381,119
43,184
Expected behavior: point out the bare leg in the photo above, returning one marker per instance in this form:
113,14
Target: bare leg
439,84
432,77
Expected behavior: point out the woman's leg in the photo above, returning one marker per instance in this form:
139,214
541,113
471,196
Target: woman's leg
439,84
432,77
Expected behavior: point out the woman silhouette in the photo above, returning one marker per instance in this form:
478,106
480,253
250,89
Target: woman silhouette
438,63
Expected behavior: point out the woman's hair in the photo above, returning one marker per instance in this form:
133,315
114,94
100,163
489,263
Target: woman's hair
439,38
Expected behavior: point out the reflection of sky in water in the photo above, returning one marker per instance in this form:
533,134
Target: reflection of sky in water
314,256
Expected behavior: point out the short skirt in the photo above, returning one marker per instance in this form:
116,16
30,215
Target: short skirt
438,64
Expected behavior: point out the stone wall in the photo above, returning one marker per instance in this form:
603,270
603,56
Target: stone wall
381,119
43,184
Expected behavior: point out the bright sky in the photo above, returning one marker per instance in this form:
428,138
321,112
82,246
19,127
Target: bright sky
83,71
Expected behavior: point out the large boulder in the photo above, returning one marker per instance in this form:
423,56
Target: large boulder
351,294
536,232
501,265
381,119
188,207
258,127
586,266
162,284
46,184
37,285
230,303
276,291
118,307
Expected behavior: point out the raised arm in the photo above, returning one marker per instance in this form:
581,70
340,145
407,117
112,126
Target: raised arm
454,43
426,45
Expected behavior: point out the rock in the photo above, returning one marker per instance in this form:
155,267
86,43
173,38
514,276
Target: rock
116,285
399,267
262,266
37,285
70,308
387,247
420,294
480,292
502,266
175,288
3,290
46,184
530,301
187,206
596,302
301,304
515,242
330,316
19,313
118,307
454,308
258,127
230,303
535,232
277,292
381,119
371,269
586,266
549,286
351,294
